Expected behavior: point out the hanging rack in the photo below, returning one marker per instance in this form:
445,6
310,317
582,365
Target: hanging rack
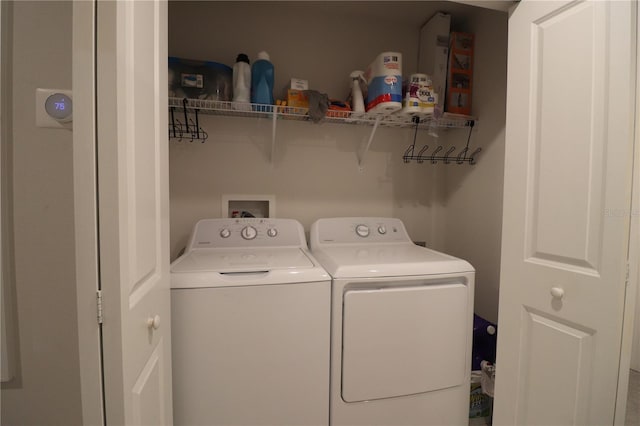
189,129
462,157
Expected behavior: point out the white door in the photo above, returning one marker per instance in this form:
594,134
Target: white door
569,135
133,212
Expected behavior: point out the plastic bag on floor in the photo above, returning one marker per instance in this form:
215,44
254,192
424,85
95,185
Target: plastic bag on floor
487,377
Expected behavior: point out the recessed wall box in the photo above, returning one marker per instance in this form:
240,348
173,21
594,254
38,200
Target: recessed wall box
248,206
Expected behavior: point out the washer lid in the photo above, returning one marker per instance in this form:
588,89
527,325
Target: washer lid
202,268
241,260
386,260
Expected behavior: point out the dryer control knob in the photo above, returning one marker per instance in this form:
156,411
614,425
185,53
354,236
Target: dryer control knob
272,232
362,230
225,233
382,230
249,232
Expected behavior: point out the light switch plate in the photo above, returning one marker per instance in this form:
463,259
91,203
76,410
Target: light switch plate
59,103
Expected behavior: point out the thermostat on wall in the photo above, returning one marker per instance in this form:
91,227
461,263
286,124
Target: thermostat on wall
54,108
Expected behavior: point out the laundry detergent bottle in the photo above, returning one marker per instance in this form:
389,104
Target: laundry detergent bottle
262,76
242,79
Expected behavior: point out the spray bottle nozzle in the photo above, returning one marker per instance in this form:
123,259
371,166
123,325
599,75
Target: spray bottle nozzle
357,75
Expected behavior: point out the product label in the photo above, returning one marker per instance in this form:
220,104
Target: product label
384,89
420,95
391,62
192,80
391,80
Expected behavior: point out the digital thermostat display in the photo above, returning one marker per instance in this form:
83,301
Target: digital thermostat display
59,106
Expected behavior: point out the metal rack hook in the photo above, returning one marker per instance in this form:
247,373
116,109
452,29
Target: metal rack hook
408,154
433,155
462,156
446,155
185,101
420,158
472,157
190,129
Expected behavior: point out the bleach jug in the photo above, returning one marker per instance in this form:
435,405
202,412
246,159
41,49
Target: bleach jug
262,76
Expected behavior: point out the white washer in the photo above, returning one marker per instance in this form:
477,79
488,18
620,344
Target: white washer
401,325
250,326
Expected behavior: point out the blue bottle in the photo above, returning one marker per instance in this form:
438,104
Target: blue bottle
262,75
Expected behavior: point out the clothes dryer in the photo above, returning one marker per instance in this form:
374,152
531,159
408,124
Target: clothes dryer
250,326
402,318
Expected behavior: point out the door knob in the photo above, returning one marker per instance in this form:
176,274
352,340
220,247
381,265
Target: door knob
153,322
557,292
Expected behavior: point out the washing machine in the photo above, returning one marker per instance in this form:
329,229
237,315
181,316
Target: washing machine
250,326
402,318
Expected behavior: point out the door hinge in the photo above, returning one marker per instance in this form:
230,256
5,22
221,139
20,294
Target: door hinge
99,305
626,276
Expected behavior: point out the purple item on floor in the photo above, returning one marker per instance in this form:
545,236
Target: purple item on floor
484,342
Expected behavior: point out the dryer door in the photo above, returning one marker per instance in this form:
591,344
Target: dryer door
404,340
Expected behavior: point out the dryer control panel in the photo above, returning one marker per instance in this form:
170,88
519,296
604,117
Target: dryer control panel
346,230
247,232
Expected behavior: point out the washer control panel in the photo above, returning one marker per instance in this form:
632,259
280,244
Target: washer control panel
247,232
358,229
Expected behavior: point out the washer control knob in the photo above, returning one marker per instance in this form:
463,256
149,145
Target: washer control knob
382,230
249,232
272,232
362,230
225,233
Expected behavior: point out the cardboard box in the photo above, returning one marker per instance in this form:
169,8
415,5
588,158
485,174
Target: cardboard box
297,99
434,53
460,76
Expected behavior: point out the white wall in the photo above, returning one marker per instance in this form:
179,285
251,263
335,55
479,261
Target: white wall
46,390
453,208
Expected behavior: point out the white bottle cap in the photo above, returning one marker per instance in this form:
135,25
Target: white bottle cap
263,55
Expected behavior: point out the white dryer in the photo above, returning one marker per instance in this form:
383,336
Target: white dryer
402,318
250,326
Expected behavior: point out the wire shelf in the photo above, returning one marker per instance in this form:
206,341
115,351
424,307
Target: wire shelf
184,125
236,109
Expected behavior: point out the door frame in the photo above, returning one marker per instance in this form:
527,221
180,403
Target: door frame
630,326
86,210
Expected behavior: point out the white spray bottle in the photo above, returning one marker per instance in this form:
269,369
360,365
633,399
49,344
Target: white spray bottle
357,101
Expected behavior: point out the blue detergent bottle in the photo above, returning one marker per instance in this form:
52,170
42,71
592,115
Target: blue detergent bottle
262,75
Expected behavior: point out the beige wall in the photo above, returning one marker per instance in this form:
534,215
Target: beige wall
453,208
472,219
46,390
